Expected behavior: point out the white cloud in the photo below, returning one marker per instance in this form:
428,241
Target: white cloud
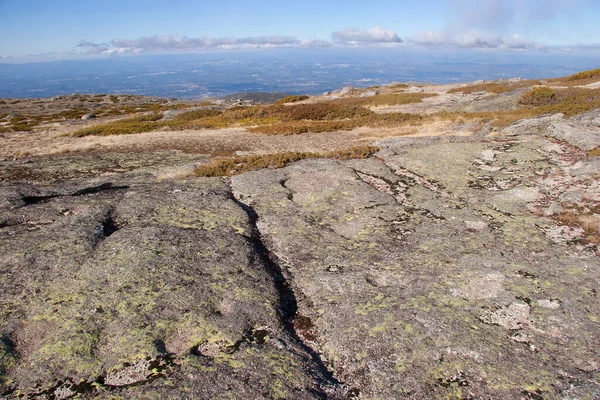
373,35
184,43
474,40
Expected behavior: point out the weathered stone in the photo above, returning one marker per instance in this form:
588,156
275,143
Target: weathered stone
88,116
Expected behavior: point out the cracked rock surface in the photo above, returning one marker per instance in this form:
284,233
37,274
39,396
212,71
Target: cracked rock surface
445,267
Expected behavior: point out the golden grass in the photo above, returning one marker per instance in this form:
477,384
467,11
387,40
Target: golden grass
139,124
591,74
292,99
237,165
538,96
372,120
570,101
494,87
594,153
391,99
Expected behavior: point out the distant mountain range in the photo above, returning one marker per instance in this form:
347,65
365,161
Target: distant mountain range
293,72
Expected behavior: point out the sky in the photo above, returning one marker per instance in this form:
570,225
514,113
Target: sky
65,29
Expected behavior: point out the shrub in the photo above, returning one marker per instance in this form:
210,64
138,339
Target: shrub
196,114
538,96
140,124
594,73
594,153
238,165
291,99
392,99
494,87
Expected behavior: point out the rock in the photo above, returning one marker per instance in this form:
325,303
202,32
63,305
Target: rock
346,90
138,274
442,263
414,89
370,93
549,304
533,126
571,196
580,135
88,117
510,317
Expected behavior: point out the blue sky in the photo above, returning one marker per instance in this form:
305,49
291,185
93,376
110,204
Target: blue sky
67,29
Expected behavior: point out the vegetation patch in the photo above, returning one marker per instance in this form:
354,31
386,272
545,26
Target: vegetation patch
140,124
237,165
570,102
538,96
391,99
494,87
591,74
372,120
292,99
594,153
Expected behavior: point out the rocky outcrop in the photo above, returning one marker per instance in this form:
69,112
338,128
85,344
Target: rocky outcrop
448,267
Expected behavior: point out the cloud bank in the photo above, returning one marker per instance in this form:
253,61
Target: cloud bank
349,37
373,35
168,43
474,40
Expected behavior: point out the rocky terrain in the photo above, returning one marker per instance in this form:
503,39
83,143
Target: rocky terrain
459,259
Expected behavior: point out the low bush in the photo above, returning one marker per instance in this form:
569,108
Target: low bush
591,74
237,165
139,124
391,99
494,87
538,96
291,99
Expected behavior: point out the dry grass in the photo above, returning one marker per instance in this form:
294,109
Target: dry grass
140,124
494,87
291,99
538,96
238,165
594,153
584,220
387,120
591,74
391,99
570,101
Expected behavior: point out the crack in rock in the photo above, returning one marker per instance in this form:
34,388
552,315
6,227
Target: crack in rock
288,306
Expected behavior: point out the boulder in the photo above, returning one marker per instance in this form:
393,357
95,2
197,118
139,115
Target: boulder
347,90
370,93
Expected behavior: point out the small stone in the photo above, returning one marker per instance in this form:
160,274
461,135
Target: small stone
511,317
88,116
415,89
571,196
549,304
554,208
476,225
488,155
